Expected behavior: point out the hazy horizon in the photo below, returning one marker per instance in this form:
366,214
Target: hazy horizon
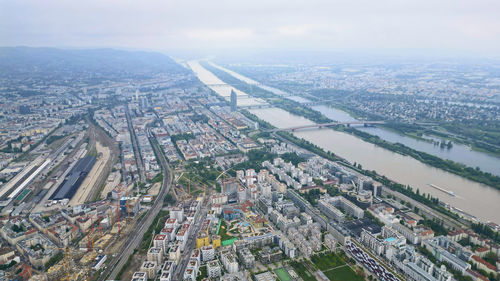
426,27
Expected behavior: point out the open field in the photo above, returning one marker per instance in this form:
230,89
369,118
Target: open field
342,273
282,274
302,271
334,267
328,260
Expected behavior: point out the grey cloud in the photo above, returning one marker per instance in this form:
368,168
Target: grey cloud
316,24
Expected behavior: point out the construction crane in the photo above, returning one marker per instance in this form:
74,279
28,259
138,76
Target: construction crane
224,172
67,265
67,275
127,205
92,249
189,185
223,175
99,223
204,188
117,214
183,192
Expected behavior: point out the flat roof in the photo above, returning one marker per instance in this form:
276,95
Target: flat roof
74,178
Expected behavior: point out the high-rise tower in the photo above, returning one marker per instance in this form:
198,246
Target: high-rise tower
234,102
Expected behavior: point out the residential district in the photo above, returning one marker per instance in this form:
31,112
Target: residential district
152,181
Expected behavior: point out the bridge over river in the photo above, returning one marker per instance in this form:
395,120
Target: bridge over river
326,125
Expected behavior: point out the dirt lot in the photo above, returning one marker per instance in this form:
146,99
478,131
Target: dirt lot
155,189
111,184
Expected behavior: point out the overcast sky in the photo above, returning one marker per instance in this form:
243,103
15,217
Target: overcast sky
469,26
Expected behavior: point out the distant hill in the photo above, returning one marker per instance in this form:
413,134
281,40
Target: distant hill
99,64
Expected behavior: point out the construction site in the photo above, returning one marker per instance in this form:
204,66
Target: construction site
184,189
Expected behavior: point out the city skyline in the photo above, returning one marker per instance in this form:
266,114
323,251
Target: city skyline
250,140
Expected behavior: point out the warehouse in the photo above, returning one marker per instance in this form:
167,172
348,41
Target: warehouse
74,179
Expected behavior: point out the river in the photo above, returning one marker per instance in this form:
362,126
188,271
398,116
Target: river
474,198
459,153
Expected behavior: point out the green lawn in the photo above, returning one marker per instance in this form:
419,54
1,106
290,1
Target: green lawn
202,273
223,232
302,271
283,274
342,274
325,261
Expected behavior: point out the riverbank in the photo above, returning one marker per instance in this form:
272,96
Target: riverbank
447,165
416,130
315,116
273,99
425,199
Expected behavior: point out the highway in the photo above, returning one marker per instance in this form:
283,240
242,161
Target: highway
135,238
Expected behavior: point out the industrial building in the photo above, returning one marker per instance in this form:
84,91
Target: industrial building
74,179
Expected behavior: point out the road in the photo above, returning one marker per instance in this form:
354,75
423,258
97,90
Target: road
429,212
135,237
137,151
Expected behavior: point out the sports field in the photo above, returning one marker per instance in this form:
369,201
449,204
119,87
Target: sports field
283,274
334,267
325,261
342,273
302,271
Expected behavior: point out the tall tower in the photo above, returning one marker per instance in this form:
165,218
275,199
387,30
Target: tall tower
234,101
137,95
361,182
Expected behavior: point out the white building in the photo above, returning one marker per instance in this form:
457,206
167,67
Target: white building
189,274
219,198
194,265
174,253
165,276
213,269
140,276
207,253
155,254
150,268
229,261
177,213
161,241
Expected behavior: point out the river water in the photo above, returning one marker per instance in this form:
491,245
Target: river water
459,153
474,198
